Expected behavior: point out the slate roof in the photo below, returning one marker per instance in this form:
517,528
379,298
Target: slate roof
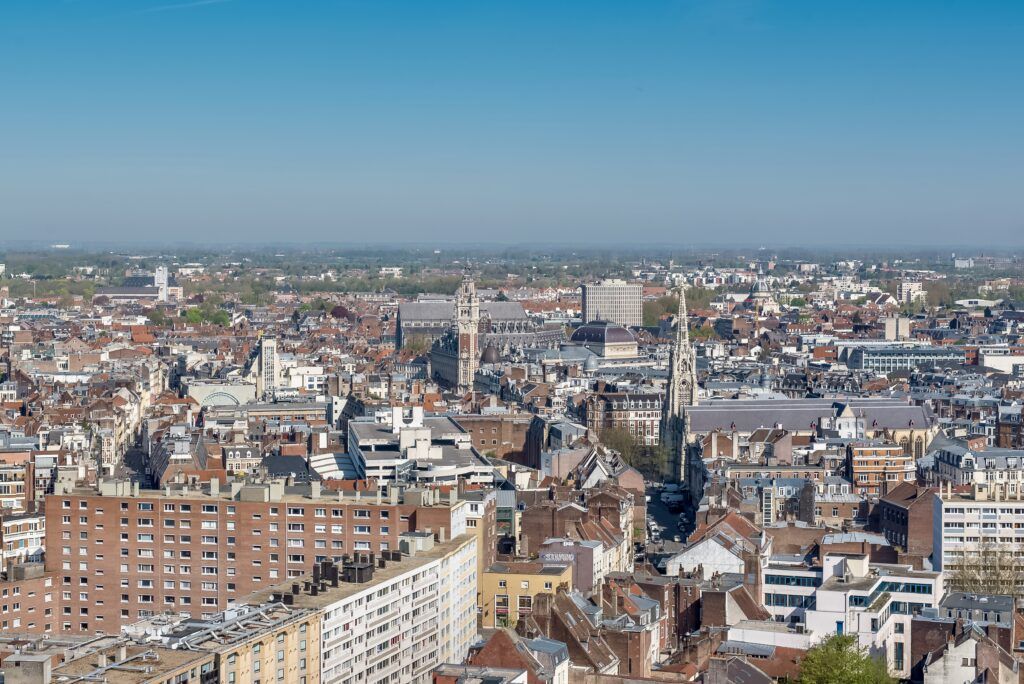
749,415
410,312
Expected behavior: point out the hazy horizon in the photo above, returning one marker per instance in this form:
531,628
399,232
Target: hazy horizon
597,124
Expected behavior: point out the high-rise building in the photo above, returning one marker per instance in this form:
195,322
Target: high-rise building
122,554
161,281
394,617
613,300
268,376
681,393
909,292
976,538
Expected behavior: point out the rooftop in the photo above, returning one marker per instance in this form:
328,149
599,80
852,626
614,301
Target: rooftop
344,590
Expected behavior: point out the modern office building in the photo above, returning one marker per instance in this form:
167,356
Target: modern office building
613,300
875,602
405,445
888,359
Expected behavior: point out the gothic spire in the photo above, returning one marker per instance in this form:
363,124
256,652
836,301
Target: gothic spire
682,319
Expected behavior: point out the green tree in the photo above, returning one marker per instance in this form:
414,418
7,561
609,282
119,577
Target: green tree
839,660
157,317
194,316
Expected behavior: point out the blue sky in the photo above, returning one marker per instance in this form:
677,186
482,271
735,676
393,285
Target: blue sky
586,121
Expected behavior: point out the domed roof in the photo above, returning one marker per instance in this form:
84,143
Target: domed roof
602,332
490,355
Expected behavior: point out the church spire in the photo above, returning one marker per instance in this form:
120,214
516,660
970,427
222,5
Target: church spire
681,392
682,320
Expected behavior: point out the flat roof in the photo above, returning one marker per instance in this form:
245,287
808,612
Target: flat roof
292,494
347,589
161,660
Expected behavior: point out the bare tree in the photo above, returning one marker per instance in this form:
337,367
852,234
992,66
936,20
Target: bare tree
990,568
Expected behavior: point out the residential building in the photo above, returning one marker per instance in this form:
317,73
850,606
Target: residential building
268,374
124,554
507,590
22,537
638,413
256,641
904,516
393,617
877,467
984,525
910,292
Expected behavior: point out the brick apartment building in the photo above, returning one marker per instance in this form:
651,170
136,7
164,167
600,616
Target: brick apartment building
876,468
637,412
904,516
29,599
499,435
120,554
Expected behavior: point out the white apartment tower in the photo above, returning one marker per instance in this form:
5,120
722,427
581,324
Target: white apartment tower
268,377
419,614
615,301
161,281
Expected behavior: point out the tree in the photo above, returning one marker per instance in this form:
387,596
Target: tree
194,316
156,317
989,569
647,459
620,440
839,660
416,344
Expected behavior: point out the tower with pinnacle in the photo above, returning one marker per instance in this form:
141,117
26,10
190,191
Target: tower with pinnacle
682,392
467,330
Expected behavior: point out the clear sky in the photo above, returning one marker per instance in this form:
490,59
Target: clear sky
589,121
